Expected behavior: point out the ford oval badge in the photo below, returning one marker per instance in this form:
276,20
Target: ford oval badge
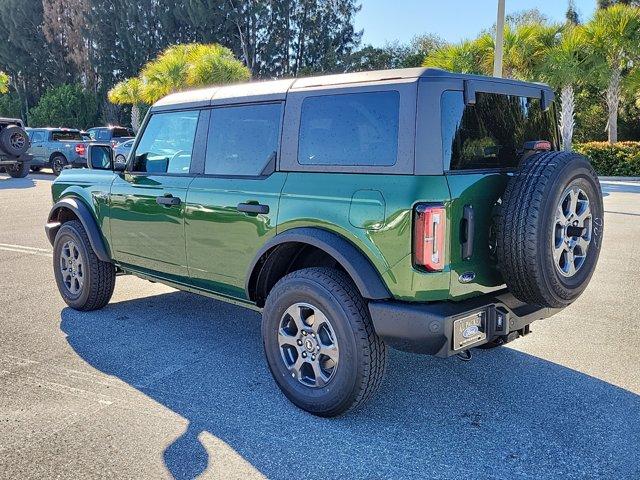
467,277
470,331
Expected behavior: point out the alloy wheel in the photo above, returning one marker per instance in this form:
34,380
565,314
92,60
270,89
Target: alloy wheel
308,345
572,231
72,267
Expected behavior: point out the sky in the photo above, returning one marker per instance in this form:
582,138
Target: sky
390,20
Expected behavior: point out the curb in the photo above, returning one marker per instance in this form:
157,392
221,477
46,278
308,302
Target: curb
620,179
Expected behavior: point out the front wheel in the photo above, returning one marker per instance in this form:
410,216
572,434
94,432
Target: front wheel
84,281
320,343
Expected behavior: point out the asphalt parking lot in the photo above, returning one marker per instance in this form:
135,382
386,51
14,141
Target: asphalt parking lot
164,384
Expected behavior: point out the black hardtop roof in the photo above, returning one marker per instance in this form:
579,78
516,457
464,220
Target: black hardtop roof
273,89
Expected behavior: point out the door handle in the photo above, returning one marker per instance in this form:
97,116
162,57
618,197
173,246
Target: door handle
467,230
168,200
253,208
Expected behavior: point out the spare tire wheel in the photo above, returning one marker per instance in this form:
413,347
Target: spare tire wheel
14,140
549,229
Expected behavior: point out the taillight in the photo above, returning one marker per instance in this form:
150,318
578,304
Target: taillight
429,230
80,149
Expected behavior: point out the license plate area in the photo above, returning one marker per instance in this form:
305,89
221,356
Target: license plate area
469,330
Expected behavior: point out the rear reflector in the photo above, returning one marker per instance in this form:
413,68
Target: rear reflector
428,236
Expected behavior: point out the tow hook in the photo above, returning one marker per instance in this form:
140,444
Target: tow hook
465,355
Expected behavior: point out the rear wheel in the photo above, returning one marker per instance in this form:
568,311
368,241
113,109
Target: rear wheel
320,343
84,281
58,162
19,170
550,229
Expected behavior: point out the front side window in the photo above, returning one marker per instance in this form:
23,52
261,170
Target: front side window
354,129
103,135
37,137
492,133
243,140
167,143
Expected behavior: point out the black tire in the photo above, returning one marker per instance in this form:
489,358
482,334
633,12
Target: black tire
98,277
14,141
58,162
362,358
19,170
527,229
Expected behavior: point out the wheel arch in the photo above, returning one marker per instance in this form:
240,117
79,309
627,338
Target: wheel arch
268,267
70,208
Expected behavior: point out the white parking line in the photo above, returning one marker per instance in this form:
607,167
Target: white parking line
8,247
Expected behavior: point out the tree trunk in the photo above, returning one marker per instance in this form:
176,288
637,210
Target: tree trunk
613,102
567,116
135,118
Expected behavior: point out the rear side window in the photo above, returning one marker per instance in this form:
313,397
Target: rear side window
121,132
167,143
66,136
492,133
243,140
355,129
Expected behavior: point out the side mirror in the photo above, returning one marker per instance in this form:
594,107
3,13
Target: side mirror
100,156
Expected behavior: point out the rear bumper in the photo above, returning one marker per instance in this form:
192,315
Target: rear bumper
428,327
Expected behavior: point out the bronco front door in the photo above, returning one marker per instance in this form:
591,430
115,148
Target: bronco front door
148,199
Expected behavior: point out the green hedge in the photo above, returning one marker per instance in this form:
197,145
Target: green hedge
621,159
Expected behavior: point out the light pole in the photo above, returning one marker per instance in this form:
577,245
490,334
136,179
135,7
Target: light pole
497,57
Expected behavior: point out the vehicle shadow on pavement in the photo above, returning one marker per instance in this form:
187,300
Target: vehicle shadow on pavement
7,183
505,414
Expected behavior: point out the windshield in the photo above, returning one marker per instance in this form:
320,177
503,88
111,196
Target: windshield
492,133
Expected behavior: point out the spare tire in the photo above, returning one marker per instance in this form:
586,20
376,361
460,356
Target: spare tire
14,141
549,229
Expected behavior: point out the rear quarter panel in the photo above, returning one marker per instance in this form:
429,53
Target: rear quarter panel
350,206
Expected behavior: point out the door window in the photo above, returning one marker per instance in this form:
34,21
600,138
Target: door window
492,133
37,137
166,145
355,129
243,140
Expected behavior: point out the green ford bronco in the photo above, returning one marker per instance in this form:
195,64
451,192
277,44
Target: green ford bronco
416,209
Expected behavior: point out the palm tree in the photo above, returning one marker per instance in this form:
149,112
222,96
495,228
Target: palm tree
524,47
128,92
190,65
4,82
564,66
614,34
464,57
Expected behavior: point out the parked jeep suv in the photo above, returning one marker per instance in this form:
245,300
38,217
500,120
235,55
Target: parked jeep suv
14,144
417,209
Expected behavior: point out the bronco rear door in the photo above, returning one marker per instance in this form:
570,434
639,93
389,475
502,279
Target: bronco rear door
483,143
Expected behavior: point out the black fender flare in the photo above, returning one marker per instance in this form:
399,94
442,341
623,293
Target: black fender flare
80,210
365,276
